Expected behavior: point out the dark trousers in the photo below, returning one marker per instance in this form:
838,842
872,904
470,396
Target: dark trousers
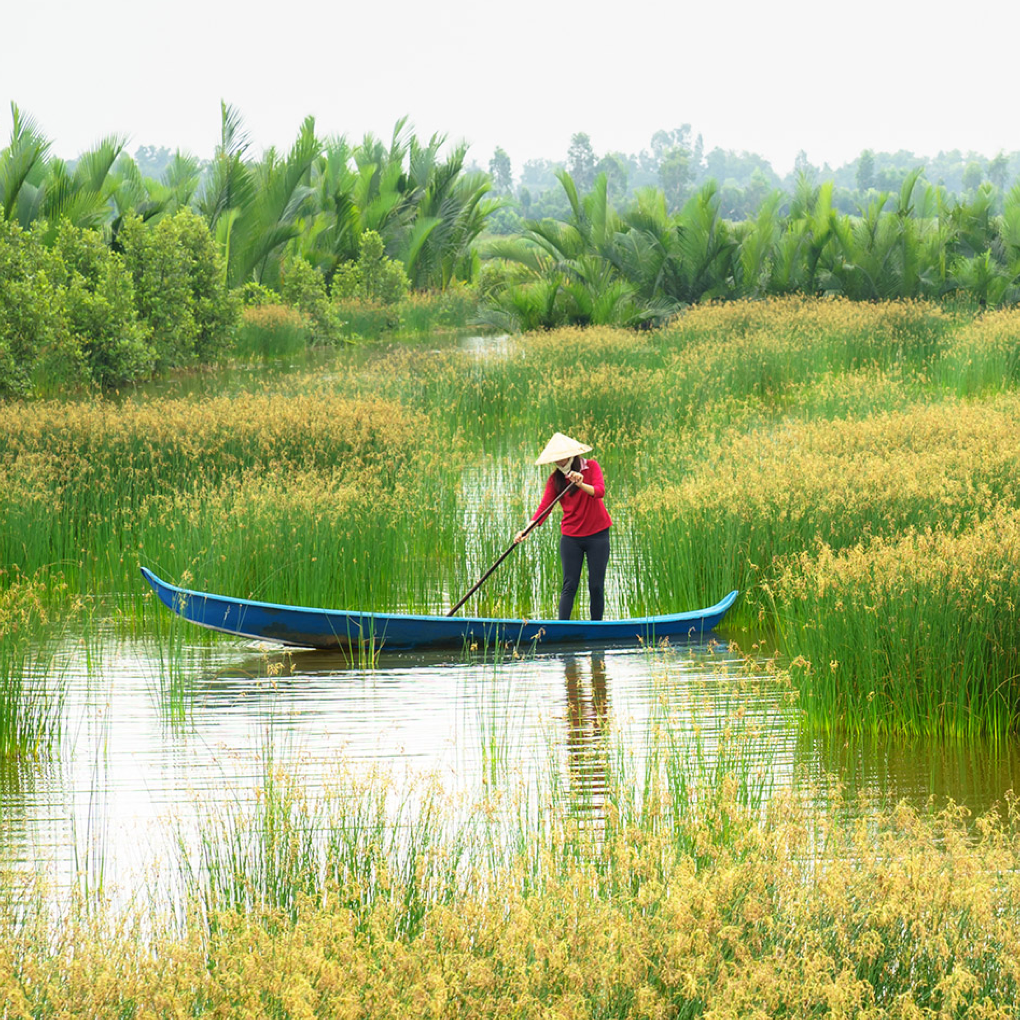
573,551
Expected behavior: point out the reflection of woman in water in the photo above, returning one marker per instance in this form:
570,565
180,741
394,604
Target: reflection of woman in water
584,530
586,721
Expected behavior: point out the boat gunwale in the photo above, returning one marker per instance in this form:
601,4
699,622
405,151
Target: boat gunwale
720,607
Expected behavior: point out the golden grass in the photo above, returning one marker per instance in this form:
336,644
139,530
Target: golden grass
810,318
252,427
917,633
274,317
734,440
952,460
903,914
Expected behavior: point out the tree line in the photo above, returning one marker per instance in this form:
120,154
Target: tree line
109,272
80,292
641,264
680,165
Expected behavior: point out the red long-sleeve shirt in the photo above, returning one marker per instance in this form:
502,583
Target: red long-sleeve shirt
582,514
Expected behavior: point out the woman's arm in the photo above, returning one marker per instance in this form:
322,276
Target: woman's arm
595,486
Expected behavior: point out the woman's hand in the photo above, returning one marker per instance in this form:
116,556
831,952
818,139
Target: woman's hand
575,476
520,537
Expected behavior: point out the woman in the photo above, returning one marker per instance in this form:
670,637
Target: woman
584,531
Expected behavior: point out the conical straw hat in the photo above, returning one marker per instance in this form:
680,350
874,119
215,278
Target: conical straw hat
560,447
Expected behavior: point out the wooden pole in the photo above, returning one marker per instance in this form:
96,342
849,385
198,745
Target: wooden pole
513,545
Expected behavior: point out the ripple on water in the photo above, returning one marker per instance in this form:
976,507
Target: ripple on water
145,750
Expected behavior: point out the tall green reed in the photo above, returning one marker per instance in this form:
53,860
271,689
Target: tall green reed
915,635
369,839
31,694
271,331
31,700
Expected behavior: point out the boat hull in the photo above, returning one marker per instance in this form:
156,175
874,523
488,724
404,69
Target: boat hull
304,627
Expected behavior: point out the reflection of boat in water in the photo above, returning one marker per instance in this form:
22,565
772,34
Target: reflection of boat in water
306,627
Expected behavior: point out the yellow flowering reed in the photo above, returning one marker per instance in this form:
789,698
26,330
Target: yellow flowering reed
905,914
984,355
97,486
272,330
915,634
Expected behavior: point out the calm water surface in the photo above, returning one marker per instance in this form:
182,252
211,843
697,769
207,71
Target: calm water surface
147,748
145,751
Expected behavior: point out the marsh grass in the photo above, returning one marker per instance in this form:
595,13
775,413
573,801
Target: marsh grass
31,703
177,664
739,442
500,712
425,313
921,631
361,320
695,896
31,696
271,331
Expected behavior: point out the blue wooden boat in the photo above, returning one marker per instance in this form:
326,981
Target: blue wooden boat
334,628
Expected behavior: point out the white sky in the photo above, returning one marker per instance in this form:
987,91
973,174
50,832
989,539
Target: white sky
771,77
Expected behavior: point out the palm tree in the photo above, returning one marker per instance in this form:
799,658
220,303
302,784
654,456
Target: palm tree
22,169
646,252
254,209
329,231
84,195
707,248
1009,240
756,247
36,187
449,211
592,268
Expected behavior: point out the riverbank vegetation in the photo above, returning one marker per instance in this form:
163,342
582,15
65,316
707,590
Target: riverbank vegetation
848,466
674,898
108,276
639,264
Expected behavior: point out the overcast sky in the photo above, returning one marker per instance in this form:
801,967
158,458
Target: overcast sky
767,77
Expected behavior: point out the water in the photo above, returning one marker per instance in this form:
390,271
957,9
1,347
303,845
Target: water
153,740
146,750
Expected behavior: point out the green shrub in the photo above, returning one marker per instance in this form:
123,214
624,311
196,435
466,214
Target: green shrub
374,277
180,287
382,279
30,320
255,295
98,303
303,287
346,284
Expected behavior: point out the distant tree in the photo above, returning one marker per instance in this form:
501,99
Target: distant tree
866,171
758,189
539,174
697,156
890,178
552,202
675,176
665,141
973,175
723,164
614,166
997,170
581,161
153,162
501,172
802,167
